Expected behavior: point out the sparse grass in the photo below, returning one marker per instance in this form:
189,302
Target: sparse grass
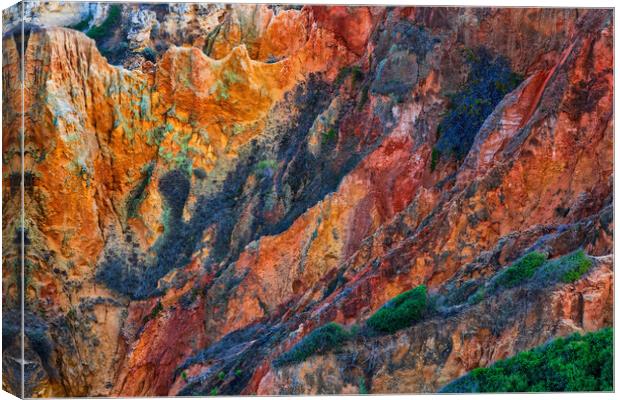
400,312
231,77
320,340
221,91
237,129
575,363
221,88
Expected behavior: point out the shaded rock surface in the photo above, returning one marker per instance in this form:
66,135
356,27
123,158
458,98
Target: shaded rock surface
267,169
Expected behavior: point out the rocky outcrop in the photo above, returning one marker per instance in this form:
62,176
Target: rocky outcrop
48,13
426,357
269,169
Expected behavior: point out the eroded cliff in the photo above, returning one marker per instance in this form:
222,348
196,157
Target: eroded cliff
266,170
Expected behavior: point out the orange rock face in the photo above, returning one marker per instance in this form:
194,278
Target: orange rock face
190,217
426,357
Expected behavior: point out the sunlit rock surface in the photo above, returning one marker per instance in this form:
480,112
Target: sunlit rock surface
206,184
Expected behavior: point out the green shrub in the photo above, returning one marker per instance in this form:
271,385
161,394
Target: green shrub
328,136
221,375
320,340
568,268
400,312
575,363
266,166
521,270
184,376
214,392
478,296
112,21
535,268
577,265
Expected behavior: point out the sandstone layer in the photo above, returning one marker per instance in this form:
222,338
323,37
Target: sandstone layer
193,211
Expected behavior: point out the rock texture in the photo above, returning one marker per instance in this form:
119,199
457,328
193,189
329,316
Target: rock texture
431,354
194,210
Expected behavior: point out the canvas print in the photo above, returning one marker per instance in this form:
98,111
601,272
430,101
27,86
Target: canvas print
207,199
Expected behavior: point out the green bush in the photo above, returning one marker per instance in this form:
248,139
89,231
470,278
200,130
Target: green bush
577,264
320,340
521,270
112,21
266,166
400,312
478,296
575,363
535,268
328,136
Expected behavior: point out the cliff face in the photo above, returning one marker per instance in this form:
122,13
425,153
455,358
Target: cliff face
192,217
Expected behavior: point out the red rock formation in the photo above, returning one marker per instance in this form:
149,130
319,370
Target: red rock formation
305,142
428,356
